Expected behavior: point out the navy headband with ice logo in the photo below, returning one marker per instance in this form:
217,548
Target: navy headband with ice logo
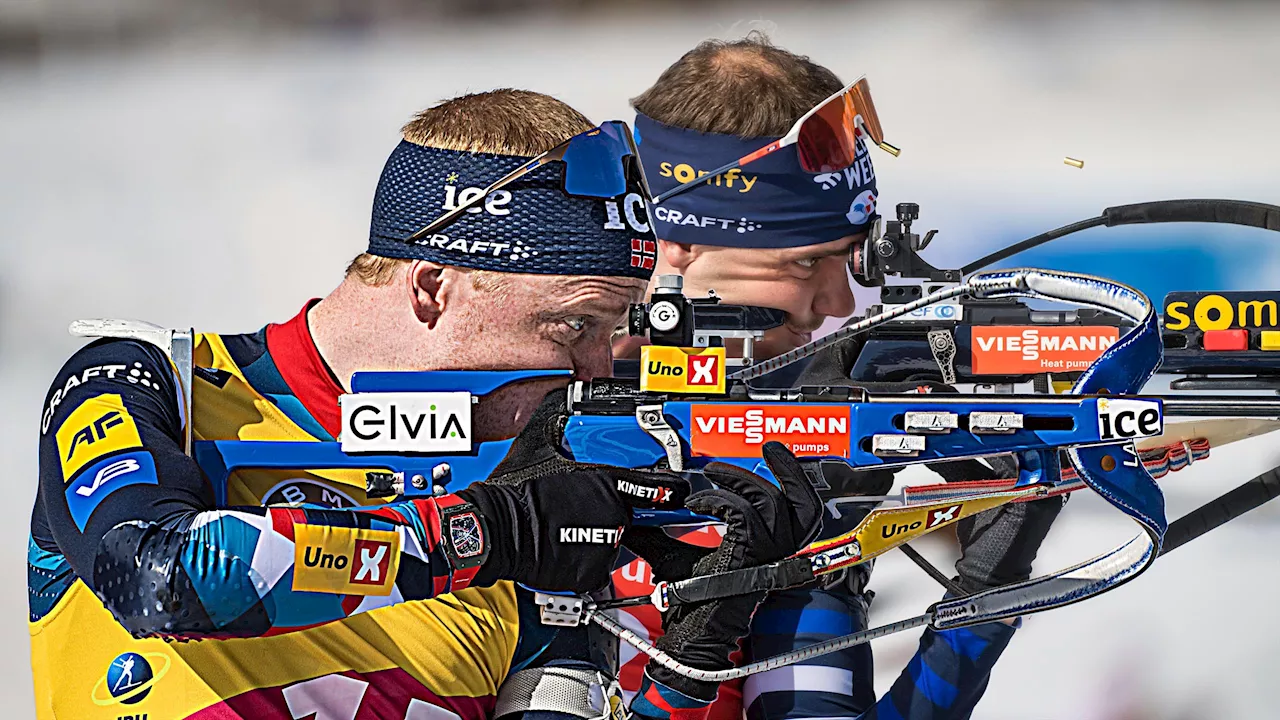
530,226
770,203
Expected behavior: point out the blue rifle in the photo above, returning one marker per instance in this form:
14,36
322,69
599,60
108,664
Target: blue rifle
621,422
617,422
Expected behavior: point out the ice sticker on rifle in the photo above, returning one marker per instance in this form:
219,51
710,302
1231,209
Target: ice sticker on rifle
724,430
346,561
1129,419
1021,350
406,422
681,370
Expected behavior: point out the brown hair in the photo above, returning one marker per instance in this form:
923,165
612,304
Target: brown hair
504,121
747,87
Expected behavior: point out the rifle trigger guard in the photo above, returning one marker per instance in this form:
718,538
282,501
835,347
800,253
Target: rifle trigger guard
653,421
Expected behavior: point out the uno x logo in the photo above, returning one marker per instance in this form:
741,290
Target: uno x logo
345,561
373,557
937,517
703,369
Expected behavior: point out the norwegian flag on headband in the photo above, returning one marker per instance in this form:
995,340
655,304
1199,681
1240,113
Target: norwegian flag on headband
644,253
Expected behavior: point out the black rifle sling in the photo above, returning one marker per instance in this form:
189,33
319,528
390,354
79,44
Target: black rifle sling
775,576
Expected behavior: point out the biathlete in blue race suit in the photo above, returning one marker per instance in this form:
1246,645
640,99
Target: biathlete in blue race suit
771,234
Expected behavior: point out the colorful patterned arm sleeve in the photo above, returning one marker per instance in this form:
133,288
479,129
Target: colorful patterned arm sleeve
136,520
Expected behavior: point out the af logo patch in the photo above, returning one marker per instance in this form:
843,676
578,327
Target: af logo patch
345,561
99,426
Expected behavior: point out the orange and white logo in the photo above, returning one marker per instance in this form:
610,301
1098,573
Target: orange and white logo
347,561
1018,350
741,430
688,370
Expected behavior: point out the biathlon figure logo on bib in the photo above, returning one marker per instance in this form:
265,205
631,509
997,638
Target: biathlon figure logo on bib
130,678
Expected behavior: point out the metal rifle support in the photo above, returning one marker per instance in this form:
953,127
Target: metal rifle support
177,345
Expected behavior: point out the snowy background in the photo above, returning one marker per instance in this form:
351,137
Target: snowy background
195,165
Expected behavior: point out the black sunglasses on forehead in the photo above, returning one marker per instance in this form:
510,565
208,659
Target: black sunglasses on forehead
598,163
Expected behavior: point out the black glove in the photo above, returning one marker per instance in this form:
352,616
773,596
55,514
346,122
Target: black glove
762,525
998,545
556,524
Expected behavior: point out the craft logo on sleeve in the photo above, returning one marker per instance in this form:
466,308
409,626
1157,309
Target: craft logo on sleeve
1019,350
100,425
347,561
681,370
741,430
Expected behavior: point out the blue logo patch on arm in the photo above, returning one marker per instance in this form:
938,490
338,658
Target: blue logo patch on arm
104,477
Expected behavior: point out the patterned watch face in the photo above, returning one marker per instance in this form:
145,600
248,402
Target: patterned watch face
466,535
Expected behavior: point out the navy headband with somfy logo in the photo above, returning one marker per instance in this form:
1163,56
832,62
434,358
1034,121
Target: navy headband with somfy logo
531,226
770,203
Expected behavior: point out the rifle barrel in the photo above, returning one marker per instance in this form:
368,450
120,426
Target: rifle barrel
1220,405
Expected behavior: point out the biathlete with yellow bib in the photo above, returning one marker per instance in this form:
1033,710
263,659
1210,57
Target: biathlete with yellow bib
298,597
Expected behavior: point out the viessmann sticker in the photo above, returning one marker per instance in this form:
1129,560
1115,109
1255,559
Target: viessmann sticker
742,430
1018,350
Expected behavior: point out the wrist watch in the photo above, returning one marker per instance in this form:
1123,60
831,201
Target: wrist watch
462,533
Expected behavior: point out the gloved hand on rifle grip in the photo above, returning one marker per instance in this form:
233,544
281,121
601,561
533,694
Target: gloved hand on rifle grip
763,524
554,523
997,546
